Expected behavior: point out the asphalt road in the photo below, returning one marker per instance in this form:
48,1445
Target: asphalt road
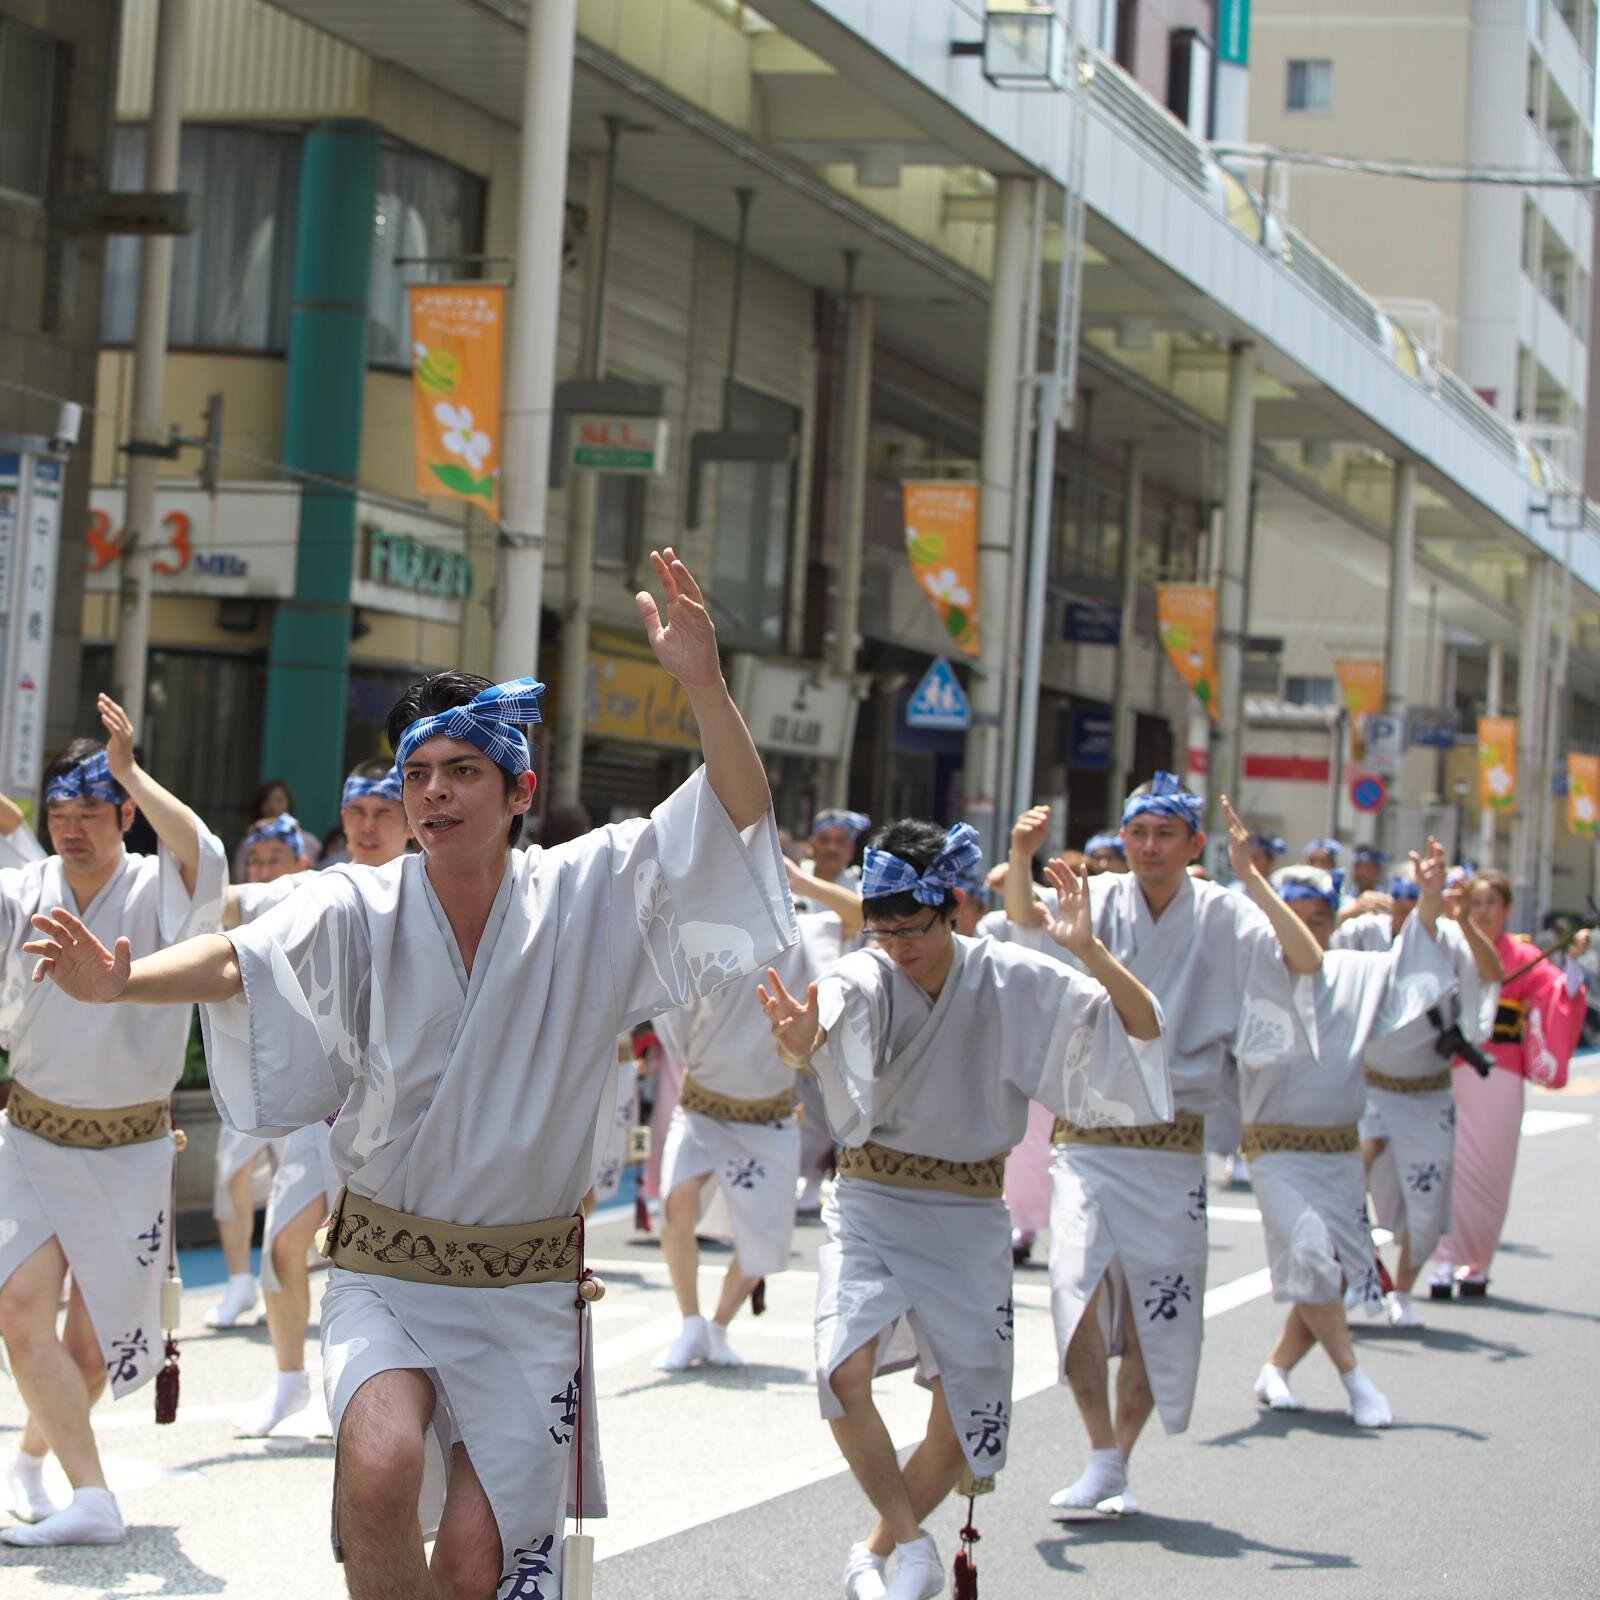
728,1485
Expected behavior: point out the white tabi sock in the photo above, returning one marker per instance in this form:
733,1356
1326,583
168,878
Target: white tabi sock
810,1196
92,1518
1272,1389
26,1496
920,1575
1106,1475
718,1351
690,1346
1369,1408
242,1296
290,1394
864,1575
1401,1312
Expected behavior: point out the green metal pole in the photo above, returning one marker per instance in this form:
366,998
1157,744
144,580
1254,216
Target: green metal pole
308,668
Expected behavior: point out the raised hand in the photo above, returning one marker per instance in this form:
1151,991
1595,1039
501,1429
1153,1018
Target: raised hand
76,961
794,1023
1072,927
1028,832
1431,870
119,738
1239,857
686,645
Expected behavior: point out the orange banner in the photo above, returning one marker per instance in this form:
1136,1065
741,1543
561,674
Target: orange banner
457,332
1583,794
941,522
1186,619
1362,682
1497,763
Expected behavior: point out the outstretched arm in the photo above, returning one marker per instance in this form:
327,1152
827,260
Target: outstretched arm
844,903
1484,955
686,645
1301,952
1027,839
1073,930
198,970
1430,870
175,824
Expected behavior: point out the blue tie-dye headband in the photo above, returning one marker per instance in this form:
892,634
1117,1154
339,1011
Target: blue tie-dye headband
492,722
385,788
90,780
858,822
283,828
1165,799
884,874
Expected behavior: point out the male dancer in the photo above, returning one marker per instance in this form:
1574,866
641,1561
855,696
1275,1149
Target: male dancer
459,1011
86,1147
733,1146
1300,1126
306,1184
1106,853
275,853
1408,1128
1128,1219
928,1050
835,833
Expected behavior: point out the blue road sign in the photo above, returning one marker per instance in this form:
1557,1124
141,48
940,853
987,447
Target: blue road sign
939,701
1369,792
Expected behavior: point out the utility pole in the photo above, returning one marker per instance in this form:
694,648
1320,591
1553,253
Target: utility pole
145,448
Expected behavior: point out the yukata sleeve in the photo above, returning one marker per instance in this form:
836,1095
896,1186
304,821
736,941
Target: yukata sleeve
1278,1008
1065,1046
673,1029
181,915
1554,1024
19,898
1420,975
20,846
693,902
1476,1001
284,1053
853,1012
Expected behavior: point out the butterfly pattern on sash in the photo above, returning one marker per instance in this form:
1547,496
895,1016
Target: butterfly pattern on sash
409,1249
543,1255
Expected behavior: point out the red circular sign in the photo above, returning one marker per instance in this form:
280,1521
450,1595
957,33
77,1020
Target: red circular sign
1368,792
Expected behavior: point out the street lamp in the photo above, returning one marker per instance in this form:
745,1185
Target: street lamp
1461,817
1023,47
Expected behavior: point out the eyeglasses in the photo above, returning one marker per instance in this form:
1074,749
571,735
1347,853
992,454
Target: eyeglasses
905,935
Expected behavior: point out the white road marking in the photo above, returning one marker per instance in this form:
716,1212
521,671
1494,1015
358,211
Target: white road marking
1536,1122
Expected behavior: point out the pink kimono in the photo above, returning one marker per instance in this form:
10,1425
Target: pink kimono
1535,1033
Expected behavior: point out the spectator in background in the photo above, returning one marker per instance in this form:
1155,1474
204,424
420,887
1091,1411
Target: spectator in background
273,799
563,824
1323,854
1106,853
1265,851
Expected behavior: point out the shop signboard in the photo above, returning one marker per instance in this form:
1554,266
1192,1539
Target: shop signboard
1385,742
30,533
795,710
1086,623
632,446
636,701
237,544
1091,741
1433,730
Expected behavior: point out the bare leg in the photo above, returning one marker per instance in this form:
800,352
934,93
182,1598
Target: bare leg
679,1245
736,1288
1088,1375
236,1230
1135,1401
289,1306
1371,1149
1293,1343
379,1477
1329,1327
466,1554
83,1345
1406,1270
865,1444
932,1472
50,1379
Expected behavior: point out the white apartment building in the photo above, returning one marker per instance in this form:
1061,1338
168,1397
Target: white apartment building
1494,280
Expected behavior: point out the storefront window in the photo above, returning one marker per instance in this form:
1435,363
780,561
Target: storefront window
755,515
428,214
231,277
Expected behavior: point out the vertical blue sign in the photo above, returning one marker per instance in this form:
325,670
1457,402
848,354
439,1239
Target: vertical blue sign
1233,32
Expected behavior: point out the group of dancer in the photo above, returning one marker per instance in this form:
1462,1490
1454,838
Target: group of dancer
437,1037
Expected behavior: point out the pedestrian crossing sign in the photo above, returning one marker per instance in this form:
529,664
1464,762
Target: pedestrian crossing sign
939,701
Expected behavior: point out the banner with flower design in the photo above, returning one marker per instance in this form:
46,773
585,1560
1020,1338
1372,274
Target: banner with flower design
457,331
1186,620
1583,794
1363,681
1497,763
941,523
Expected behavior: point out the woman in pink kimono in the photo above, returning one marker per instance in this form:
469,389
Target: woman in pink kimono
1535,1032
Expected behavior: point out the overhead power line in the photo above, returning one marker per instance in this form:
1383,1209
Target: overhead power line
1415,171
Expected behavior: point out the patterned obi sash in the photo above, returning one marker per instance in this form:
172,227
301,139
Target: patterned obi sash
88,1127
694,1096
877,1163
1288,1138
1184,1135
363,1236
1510,1022
1434,1083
